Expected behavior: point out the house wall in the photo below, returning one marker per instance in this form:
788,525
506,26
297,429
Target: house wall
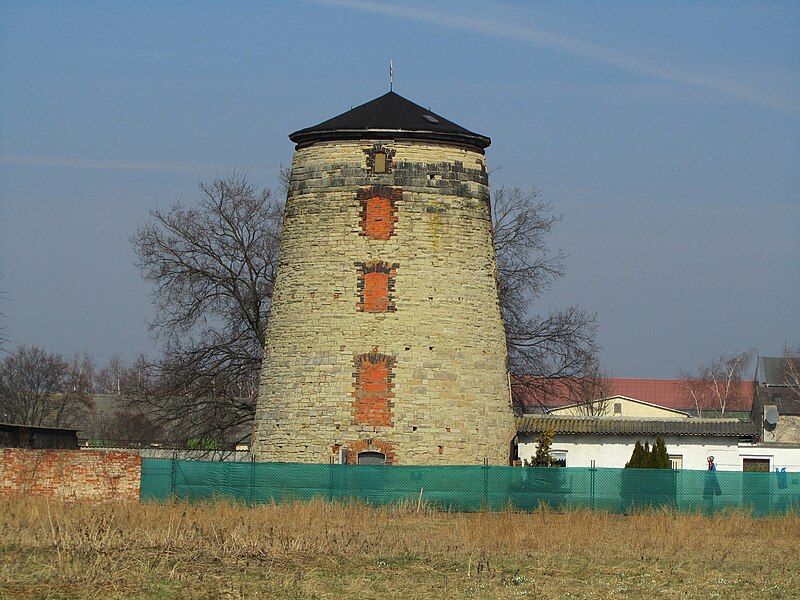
614,451
629,409
787,430
70,474
780,457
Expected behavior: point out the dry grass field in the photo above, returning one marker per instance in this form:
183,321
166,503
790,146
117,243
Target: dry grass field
321,550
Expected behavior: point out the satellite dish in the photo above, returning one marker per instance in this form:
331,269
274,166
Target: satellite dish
771,416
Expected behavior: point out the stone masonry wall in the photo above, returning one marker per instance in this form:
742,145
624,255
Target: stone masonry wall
398,267
70,474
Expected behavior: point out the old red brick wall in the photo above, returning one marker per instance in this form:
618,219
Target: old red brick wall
70,474
373,394
378,211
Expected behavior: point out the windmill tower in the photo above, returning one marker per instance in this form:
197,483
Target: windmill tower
385,340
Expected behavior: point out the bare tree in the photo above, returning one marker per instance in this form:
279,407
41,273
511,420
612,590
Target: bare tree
716,386
546,352
696,388
592,391
109,379
39,388
122,379
3,328
125,426
791,354
212,266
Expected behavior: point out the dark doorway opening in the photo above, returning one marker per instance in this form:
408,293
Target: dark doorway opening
371,458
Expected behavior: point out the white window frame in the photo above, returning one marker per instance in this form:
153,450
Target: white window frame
563,453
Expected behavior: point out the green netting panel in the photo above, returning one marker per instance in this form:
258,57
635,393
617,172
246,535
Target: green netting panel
475,487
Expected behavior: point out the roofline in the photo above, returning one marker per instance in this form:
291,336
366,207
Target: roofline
662,407
306,137
646,429
22,425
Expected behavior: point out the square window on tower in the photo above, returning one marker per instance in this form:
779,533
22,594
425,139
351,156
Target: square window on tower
380,162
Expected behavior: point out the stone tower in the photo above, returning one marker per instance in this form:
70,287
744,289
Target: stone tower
385,337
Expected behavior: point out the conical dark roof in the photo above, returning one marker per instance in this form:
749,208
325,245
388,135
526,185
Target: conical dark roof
389,116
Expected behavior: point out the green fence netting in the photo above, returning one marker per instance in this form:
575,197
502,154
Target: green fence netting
469,488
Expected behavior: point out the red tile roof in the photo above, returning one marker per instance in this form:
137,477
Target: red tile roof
664,392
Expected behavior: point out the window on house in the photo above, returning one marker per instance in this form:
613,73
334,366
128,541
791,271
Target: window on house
617,408
559,458
758,465
676,461
380,162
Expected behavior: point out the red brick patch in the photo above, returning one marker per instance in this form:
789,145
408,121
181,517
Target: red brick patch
376,281
373,394
378,210
70,474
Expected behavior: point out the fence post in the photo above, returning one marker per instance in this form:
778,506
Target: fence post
252,478
592,471
330,479
485,483
172,473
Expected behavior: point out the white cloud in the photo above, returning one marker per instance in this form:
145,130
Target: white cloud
581,48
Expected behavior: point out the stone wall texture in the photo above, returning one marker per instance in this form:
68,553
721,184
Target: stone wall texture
385,333
70,474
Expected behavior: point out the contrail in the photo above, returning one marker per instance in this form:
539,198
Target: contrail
107,165
576,47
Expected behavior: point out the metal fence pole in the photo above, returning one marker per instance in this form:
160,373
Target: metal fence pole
173,465
252,478
330,478
486,482
592,471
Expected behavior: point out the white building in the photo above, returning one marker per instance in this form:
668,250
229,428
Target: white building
603,441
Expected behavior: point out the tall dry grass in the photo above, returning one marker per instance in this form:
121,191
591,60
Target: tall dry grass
113,546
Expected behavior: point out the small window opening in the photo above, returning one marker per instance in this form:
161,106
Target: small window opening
559,458
380,162
617,408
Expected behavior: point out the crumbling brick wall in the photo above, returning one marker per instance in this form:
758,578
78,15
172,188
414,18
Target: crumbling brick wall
70,474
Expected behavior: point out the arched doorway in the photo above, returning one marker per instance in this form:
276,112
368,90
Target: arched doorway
371,458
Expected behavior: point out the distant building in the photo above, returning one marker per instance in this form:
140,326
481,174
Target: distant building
15,435
619,406
776,404
544,396
583,441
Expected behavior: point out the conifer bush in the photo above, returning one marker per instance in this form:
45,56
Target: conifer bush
644,457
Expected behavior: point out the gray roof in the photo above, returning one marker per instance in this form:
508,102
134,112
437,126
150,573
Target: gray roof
771,370
567,425
5,425
389,117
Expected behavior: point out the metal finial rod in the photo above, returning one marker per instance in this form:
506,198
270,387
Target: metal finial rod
391,75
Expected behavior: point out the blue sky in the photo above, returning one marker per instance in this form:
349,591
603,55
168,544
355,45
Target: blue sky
667,134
